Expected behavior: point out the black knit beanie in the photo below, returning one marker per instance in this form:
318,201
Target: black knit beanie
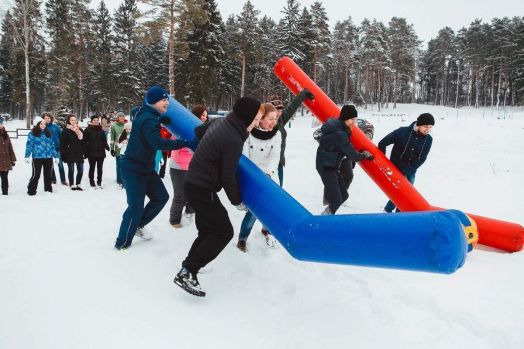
246,108
348,112
425,119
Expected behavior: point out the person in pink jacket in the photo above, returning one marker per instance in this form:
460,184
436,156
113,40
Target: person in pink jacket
178,165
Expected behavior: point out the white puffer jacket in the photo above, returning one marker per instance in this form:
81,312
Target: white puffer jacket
264,153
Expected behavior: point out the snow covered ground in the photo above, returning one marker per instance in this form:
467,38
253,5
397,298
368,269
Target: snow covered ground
63,285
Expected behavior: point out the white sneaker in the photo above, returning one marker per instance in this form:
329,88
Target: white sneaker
144,233
270,239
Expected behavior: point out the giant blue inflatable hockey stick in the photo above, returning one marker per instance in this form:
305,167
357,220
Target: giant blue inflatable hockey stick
424,241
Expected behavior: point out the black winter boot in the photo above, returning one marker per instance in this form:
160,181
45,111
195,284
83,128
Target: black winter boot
189,283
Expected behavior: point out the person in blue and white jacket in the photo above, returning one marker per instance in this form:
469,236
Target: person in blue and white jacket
41,148
263,148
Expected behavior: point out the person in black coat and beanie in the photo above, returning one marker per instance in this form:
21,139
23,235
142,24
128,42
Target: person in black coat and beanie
72,151
411,147
333,147
213,167
95,145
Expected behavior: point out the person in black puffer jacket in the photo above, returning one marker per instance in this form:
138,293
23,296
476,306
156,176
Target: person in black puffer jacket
213,167
333,147
95,145
72,151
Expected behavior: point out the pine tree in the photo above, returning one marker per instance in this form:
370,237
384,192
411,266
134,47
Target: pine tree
291,32
205,43
403,44
247,35
101,72
155,61
375,54
518,59
322,39
126,62
306,41
265,79
28,43
345,53
60,84
82,57
231,69
6,52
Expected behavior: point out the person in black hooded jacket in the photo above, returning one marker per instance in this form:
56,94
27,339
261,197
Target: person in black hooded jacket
95,145
213,167
333,147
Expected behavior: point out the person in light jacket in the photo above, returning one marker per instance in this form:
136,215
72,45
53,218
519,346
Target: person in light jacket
263,148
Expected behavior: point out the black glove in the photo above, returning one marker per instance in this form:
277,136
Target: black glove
164,120
112,152
309,95
368,155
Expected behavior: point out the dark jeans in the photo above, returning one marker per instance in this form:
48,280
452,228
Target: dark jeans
247,224
162,171
99,163
281,174
213,225
138,186
179,199
71,172
38,164
60,169
390,206
334,187
5,181
118,160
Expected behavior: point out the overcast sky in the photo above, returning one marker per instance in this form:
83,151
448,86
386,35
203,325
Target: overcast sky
427,17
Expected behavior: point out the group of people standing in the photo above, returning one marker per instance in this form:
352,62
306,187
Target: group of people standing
47,142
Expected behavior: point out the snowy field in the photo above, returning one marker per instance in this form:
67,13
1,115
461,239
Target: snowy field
63,285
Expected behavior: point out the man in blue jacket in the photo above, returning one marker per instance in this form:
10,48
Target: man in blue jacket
138,168
411,147
56,132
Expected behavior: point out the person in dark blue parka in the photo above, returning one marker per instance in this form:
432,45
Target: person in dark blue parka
333,147
411,147
138,168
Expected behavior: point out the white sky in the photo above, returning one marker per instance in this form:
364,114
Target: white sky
427,17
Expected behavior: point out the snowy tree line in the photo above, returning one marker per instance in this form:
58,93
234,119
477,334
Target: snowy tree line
91,61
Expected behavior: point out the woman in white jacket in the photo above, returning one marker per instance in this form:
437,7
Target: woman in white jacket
263,148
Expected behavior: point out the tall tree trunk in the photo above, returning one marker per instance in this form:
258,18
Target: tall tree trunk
81,75
242,83
346,83
493,84
395,92
499,86
172,48
458,84
28,113
378,88
477,87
